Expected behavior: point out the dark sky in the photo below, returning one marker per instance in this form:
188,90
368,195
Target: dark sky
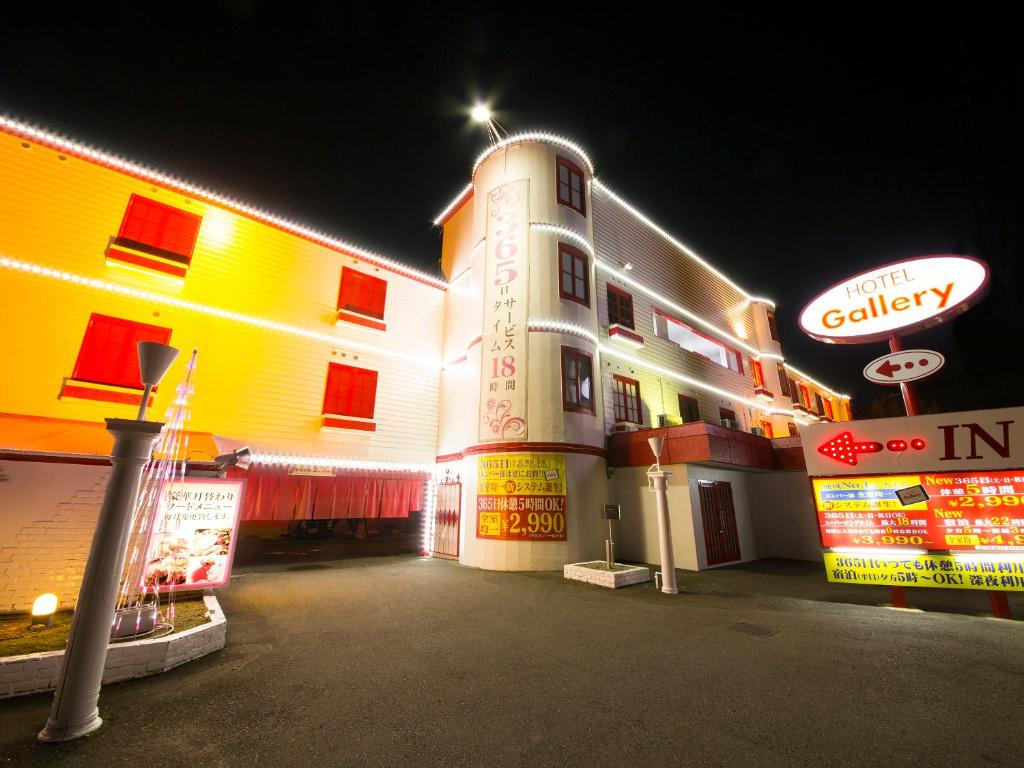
790,150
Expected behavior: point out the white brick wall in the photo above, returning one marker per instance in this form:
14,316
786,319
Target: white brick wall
611,579
37,672
48,513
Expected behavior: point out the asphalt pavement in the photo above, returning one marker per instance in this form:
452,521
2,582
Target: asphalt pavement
398,660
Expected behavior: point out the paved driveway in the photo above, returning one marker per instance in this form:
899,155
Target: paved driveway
402,661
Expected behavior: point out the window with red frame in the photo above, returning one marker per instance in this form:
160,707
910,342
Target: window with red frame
109,353
626,398
773,327
727,413
793,431
667,327
362,293
159,229
620,307
805,397
818,404
755,369
783,379
577,380
350,391
829,413
689,408
766,427
573,274
570,186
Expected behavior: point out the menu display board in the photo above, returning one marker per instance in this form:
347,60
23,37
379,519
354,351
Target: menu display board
964,510
521,497
194,538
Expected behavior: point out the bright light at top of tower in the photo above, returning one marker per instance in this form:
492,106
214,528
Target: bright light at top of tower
481,113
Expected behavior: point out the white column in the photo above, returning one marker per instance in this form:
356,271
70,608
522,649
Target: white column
74,711
659,484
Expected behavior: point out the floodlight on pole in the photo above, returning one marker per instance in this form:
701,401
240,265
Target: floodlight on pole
482,113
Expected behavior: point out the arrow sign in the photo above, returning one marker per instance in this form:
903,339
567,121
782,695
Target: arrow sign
901,367
844,448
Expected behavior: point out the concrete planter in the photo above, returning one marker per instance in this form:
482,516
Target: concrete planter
37,672
596,572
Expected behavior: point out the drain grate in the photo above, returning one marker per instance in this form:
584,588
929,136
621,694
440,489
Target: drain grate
754,630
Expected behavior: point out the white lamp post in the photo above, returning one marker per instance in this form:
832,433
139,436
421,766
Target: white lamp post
658,480
74,712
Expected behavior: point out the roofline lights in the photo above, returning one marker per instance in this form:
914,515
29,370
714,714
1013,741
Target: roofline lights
85,152
559,326
678,244
815,382
528,136
172,301
458,200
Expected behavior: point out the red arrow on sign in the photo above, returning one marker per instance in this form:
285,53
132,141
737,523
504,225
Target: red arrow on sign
843,448
887,369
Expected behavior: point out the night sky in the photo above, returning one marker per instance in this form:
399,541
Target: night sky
791,151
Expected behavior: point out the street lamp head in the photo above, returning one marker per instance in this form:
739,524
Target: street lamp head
154,361
481,113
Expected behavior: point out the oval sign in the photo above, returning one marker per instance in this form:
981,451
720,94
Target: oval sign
902,297
904,366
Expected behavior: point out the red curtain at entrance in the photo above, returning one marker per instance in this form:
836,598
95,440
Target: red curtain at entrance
271,493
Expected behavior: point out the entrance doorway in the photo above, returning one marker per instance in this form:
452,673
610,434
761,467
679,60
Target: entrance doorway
447,516
721,539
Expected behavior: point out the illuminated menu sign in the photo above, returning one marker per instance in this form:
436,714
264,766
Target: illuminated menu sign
521,497
964,510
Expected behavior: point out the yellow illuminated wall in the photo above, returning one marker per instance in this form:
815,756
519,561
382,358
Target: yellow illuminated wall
255,385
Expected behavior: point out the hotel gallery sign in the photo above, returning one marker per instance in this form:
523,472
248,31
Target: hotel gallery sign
897,298
506,291
521,497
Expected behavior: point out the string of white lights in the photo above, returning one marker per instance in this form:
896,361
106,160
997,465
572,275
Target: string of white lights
558,326
226,314
563,232
677,243
618,354
455,203
539,136
334,462
815,382
86,152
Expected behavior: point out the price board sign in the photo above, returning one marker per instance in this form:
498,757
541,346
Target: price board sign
928,570
955,511
521,497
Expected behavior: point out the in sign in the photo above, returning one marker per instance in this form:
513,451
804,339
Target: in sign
904,366
902,297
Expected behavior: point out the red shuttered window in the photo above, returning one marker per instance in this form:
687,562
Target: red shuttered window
350,391
626,397
109,352
829,412
159,229
773,326
571,191
577,380
755,368
573,274
620,307
783,379
362,293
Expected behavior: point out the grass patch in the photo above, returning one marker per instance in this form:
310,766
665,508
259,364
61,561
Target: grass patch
16,638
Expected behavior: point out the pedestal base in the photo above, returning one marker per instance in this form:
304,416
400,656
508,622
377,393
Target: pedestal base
596,572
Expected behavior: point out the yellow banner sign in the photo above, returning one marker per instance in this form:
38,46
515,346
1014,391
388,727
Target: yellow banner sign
521,474
944,571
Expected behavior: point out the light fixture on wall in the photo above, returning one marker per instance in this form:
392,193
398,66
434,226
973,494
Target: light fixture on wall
240,459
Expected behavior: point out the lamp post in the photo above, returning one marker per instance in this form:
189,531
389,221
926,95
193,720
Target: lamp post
658,479
74,712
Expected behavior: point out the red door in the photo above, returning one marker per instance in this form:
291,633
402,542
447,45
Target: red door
721,540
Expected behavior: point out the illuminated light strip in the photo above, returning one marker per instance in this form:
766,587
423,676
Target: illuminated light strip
455,203
541,136
618,354
279,459
172,301
815,382
681,310
83,151
993,555
558,326
681,246
429,519
878,551
563,232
